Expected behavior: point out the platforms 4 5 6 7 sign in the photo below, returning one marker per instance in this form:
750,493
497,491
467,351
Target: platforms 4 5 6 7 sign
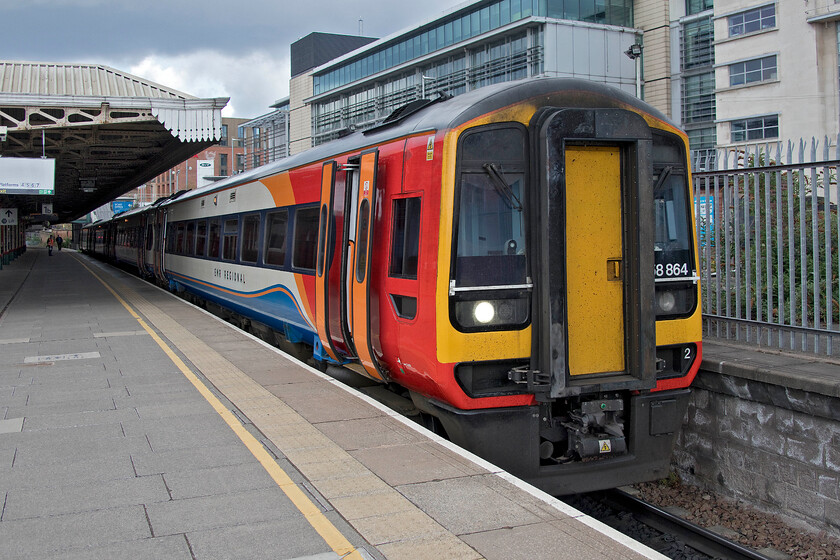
8,216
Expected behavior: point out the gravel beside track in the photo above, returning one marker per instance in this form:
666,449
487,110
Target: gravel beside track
745,524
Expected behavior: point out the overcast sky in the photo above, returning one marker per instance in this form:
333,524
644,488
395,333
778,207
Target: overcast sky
208,48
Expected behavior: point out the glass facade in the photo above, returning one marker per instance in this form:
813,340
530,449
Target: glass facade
697,58
482,18
512,57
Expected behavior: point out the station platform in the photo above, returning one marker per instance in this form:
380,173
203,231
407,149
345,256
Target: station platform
135,425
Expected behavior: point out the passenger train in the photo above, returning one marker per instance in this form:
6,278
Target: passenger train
520,260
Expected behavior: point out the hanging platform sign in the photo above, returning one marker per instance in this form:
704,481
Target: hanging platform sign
27,176
8,216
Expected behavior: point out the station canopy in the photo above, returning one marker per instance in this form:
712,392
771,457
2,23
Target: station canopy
108,132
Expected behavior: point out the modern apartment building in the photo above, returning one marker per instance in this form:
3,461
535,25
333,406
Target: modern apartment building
755,72
776,71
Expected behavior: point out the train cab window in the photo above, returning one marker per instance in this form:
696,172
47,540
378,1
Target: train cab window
250,238
275,237
489,277
213,239
231,239
405,238
189,246
200,238
305,238
676,294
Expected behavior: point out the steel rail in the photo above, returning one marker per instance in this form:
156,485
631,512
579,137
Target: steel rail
695,536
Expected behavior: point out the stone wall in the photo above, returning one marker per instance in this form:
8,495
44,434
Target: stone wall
751,433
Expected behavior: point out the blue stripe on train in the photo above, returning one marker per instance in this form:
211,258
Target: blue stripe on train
276,308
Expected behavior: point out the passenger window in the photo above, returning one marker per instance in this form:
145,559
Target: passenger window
405,238
189,248
275,237
250,238
179,239
306,238
213,246
231,239
200,238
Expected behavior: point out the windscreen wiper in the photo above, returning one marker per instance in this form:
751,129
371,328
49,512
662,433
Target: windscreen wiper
662,177
502,187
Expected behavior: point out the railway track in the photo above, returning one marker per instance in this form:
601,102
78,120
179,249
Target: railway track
697,538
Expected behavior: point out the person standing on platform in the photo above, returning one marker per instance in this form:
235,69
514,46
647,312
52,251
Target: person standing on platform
59,241
50,243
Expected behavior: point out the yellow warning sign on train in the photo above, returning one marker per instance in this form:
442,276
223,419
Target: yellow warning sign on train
605,444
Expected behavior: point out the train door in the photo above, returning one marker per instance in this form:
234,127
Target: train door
160,245
595,300
344,314
593,288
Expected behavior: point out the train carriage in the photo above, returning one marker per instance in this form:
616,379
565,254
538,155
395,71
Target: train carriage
520,259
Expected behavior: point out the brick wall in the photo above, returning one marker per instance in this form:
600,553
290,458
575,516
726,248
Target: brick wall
771,445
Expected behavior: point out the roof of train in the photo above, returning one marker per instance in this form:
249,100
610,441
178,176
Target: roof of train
445,114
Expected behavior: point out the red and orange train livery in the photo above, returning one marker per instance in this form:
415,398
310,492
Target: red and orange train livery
519,259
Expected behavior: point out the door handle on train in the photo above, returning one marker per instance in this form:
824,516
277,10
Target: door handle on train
614,271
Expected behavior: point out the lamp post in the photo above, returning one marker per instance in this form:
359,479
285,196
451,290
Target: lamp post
635,54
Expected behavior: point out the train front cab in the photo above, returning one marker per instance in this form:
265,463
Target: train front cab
572,297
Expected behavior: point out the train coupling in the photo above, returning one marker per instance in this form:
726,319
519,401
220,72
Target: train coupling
536,381
596,430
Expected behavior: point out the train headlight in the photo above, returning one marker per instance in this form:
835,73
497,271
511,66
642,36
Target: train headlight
666,301
484,312
675,299
473,314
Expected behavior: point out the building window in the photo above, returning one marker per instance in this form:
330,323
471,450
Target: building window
752,20
697,44
698,98
224,140
696,6
755,128
752,71
223,164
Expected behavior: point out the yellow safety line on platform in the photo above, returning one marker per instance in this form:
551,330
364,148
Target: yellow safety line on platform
332,536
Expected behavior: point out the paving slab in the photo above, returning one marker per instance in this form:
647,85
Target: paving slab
52,500
42,536
171,548
451,503
202,513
